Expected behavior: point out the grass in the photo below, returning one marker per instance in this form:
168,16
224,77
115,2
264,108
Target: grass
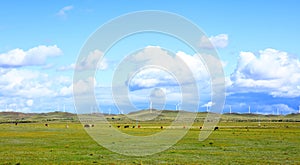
234,143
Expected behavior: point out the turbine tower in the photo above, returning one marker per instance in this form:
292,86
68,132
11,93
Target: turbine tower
177,107
150,106
230,109
249,109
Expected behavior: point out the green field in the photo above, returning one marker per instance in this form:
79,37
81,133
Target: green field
236,142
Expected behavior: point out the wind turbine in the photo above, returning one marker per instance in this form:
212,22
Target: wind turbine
91,108
249,109
230,109
206,107
64,108
150,106
177,107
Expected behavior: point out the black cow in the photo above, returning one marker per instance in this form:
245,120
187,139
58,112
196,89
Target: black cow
46,125
118,126
126,126
216,128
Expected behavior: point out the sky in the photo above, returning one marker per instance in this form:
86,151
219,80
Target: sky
257,43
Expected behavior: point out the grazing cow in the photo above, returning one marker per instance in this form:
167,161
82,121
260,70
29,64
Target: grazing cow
161,127
118,126
133,126
126,126
86,125
216,128
200,127
139,126
93,125
46,125
16,123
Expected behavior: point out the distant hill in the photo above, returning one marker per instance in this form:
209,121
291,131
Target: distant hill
7,117
157,115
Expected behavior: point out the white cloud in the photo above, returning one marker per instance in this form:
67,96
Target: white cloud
151,77
66,90
272,71
27,90
183,67
62,12
33,56
92,61
66,67
32,84
29,103
208,104
84,86
219,41
25,83
276,109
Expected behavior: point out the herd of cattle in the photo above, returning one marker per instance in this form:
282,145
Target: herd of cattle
128,126
119,126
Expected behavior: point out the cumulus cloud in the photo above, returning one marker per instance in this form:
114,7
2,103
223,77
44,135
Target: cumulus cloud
34,56
25,83
271,71
63,12
91,61
180,69
84,86
66,90
29,103
151,77
218,41
208,104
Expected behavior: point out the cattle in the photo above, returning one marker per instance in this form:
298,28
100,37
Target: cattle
16,123
126,126
139,126
67,126
118,126
93,125
200,127
216,128
46,125
161,127
86,125
133,126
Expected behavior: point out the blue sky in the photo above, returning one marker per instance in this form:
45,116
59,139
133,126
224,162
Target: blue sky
257,42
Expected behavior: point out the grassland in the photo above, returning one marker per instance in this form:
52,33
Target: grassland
240,140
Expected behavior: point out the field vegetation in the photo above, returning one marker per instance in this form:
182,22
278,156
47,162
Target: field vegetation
241,139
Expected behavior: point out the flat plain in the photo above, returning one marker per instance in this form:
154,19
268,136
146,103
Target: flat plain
240,139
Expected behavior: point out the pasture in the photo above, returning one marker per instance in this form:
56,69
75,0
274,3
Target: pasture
233,143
